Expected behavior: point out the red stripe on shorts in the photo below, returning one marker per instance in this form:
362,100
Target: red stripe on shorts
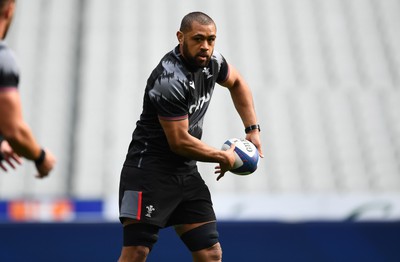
139,211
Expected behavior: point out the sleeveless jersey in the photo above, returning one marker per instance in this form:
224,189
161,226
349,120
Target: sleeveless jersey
174,91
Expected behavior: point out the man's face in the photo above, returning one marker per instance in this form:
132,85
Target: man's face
197,45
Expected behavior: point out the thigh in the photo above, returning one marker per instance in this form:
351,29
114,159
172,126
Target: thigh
196,205
148,196
202,241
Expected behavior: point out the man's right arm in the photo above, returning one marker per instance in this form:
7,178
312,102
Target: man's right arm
184,144
18,134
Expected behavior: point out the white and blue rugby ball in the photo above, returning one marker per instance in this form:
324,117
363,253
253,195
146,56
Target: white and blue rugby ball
246,156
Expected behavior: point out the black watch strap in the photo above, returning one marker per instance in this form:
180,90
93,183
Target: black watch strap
41,157
252,127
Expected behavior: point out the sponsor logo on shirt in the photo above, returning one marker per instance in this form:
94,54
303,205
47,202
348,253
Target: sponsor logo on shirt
199,103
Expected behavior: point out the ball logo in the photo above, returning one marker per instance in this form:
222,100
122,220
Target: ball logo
247,145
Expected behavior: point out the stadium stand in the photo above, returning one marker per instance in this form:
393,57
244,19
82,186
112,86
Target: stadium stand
325,75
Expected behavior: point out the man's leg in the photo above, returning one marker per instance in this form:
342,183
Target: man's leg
202,241
134,254
139,239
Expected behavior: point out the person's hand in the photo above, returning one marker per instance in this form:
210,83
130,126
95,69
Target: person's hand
254,137
47,165
9,156
227,165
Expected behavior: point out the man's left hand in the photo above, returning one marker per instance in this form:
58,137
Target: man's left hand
8,156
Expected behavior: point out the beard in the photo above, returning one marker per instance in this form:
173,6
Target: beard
195,60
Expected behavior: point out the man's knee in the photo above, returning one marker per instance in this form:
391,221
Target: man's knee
139,234
214,253
134,253
138,241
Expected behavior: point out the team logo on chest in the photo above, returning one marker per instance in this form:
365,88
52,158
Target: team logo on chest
206,71
191,84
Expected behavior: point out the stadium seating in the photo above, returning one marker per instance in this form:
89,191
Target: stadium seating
325,77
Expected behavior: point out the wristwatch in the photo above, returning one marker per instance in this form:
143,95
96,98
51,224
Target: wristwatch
252,127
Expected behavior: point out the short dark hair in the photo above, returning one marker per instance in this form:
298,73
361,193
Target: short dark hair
201,18
4,2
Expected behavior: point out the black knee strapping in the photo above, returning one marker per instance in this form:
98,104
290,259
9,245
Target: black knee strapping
201,237
140,234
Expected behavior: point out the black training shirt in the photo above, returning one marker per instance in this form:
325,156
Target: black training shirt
9,71
174,91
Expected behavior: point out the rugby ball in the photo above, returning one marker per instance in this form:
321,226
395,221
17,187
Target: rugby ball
246,156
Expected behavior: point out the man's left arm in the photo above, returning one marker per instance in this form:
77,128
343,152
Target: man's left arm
243,101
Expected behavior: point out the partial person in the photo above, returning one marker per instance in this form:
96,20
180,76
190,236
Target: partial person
160,185
13,129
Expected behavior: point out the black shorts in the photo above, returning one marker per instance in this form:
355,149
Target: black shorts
164,199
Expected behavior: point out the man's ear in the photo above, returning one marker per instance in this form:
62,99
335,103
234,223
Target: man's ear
9,10
179,36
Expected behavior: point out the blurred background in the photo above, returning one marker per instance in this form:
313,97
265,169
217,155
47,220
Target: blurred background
325,76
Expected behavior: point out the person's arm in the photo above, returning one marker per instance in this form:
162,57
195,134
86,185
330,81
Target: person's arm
184,144
243,101
19,135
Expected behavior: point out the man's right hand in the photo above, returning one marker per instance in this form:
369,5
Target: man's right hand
228,165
